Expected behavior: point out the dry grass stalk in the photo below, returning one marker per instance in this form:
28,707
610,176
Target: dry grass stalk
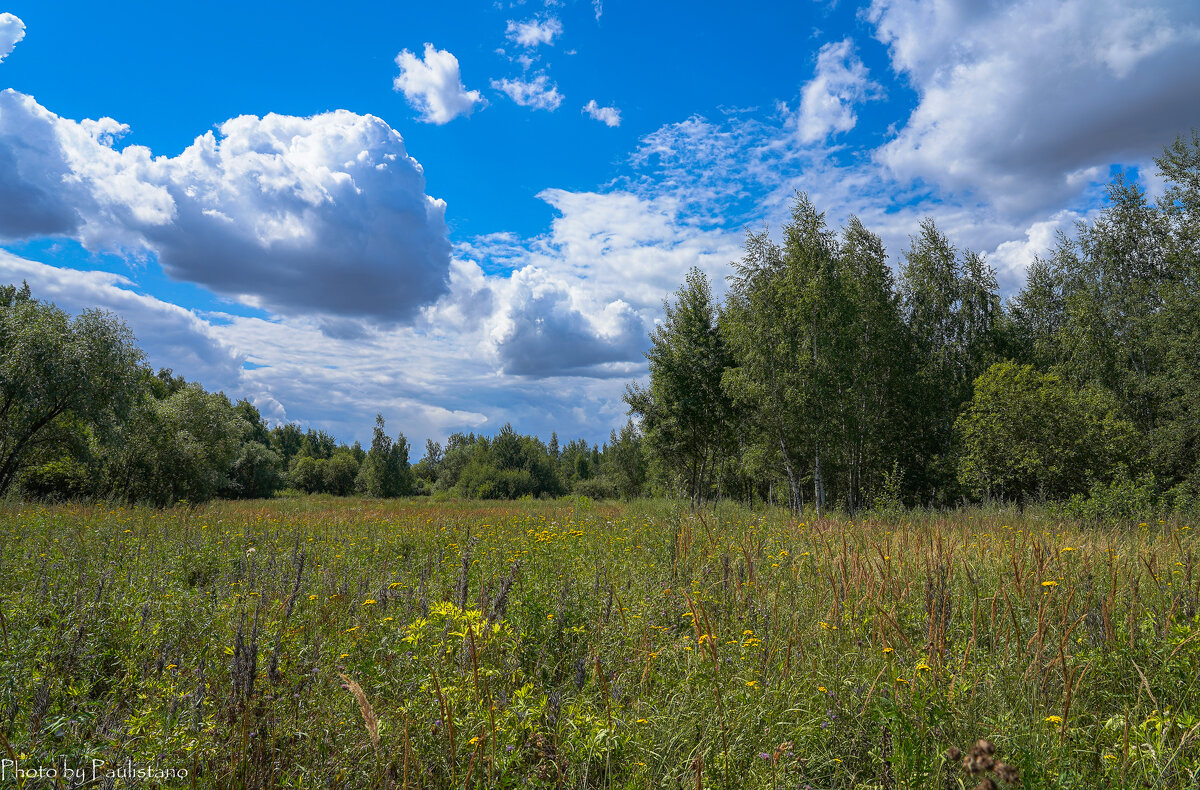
368,713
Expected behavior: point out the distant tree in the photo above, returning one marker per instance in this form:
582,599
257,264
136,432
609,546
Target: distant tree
318,444
785,324
1038,311
385,471
179,448
257,471
340,472
508,466
683,408
308,474
55,369
952,309
287,441
625,461
876,378
428,468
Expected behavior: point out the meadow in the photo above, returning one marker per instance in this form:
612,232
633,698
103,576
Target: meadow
346,643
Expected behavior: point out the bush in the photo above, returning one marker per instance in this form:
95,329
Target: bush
1122,499
1026,432
59,480
596,488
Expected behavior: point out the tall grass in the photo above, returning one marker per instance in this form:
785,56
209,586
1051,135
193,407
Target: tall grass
351,643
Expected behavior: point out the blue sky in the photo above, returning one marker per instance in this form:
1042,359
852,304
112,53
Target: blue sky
462,214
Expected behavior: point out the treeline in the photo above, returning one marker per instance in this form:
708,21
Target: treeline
82,417
510,466
822,379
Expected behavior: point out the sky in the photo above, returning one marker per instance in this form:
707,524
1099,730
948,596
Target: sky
464,214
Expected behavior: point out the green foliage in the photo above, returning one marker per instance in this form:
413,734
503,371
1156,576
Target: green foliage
600,645
1027,434
308,475
61,479
684,411
784,324
56,369
509,466
256,471
1121,499
625,461
596,488
178,448
385,472
952,310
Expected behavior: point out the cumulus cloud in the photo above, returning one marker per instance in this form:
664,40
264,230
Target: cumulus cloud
533,32
1025,106
827,101
609,116
537,93
170,335
323,215
64,177
12,30
434,86
551,327
580,299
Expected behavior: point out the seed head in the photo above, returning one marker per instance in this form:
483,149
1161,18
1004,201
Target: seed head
1007,773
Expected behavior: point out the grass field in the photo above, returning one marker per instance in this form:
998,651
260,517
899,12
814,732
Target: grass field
317,642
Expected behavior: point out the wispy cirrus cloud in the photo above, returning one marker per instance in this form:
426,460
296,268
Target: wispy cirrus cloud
533,32
537,93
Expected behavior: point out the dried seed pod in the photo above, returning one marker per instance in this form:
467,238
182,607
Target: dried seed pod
977,762
952,754
1007,773
986,783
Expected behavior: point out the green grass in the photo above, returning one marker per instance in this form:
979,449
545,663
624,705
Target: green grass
640,646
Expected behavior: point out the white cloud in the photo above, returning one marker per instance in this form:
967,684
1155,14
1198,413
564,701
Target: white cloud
12,30
324,215
171,335
533,32
827,101
426,382
63,177
743,172
581,299
609,116
537,93
434,86
1019,105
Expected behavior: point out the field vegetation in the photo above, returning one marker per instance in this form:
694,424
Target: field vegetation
319,641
